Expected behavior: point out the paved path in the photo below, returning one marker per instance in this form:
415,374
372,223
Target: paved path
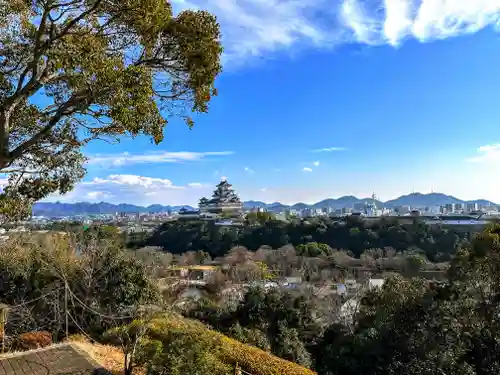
65,359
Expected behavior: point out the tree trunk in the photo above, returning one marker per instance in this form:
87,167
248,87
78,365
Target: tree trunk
4,138
127,368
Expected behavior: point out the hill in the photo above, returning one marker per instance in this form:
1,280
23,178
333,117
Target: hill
254,204
422,200
434,199
85,208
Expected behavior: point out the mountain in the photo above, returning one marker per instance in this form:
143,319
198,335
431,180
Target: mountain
422,200
85,208
277,207
299,206
416,200
482,202
428,200
254,204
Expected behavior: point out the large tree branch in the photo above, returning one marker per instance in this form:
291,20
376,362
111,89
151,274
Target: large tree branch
38,78
75,20
22,91
64,110
33,66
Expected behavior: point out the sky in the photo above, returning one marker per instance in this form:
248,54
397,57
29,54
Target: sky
322,99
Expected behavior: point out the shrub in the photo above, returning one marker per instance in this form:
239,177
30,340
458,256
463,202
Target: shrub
183,353
232,352
33,340
78,337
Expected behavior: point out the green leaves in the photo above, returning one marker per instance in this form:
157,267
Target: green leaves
107,69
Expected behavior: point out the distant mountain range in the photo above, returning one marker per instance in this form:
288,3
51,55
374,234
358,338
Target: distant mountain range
416,200
85,208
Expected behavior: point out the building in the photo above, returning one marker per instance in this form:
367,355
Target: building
472,207
224,202
449,208
403,210
346,210
185,213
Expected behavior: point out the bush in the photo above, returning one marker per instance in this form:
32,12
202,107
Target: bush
33,340
78,337
102,276
183,353
232,352
250,336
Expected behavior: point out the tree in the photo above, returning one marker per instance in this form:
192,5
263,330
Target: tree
75,71
101,281
130,338
417,327
261,218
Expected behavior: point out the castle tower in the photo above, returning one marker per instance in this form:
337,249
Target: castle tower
224,201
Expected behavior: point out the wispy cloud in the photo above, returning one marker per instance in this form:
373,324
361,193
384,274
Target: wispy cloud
329,149
128,188
256,27
126,158
316,163
487,154
249,170
197,185
134,180
98,195
307,169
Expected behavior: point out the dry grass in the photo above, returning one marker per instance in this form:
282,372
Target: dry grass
109,357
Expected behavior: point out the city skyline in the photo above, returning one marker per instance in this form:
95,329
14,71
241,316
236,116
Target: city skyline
270,203
318,101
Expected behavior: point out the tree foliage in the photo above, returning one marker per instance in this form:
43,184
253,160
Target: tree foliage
315,238
419,327
282,322
97,279
79,70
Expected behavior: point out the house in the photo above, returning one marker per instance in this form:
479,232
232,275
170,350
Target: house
375,283
60,359
198,272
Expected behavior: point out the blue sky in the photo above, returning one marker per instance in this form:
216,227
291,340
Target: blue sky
324,98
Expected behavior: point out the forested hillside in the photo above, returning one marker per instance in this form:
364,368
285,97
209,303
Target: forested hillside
353,235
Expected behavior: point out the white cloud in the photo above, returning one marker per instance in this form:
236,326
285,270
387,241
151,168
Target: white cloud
249,170
197,185
489,154
152,157
329,149
316,163
142,190
263,190
256,27
306,169
98,195
223,178
134,180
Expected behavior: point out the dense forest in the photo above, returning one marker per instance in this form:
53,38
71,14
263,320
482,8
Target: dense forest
410,326
352,234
